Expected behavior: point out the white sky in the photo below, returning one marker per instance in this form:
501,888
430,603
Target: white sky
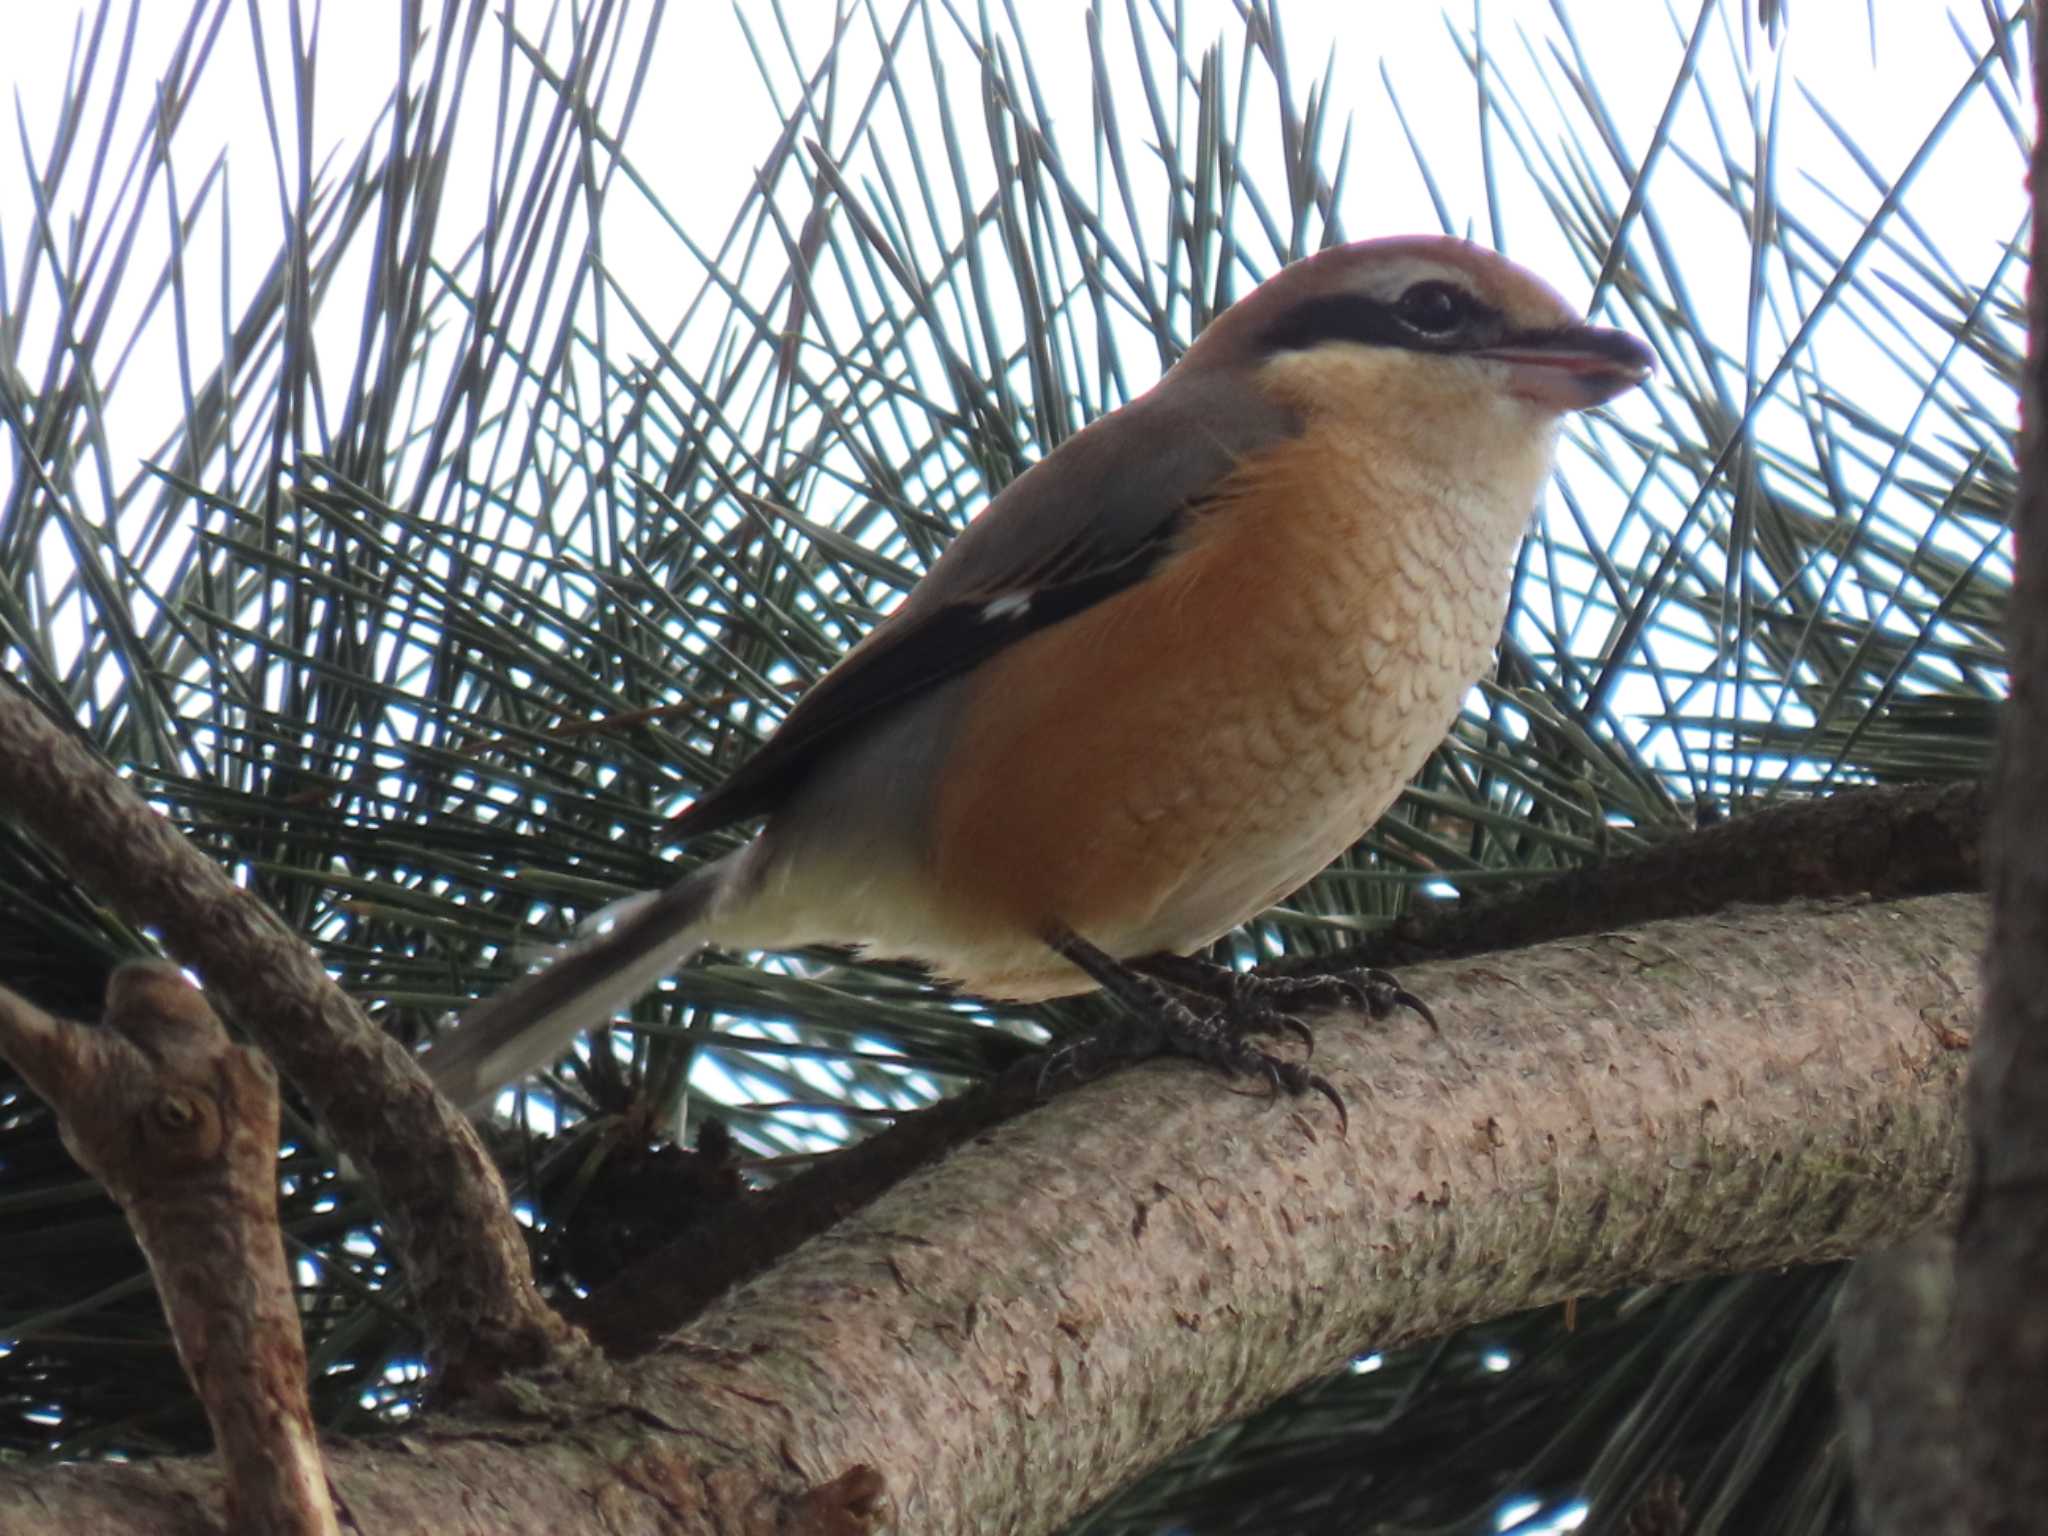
707,118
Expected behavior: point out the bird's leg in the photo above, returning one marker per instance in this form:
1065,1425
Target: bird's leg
1154,1020
1245,1005
1266,1003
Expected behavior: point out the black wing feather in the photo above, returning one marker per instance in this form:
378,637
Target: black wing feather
1096,516
944,643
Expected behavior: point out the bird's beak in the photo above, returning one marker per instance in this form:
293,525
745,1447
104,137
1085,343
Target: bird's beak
1573,366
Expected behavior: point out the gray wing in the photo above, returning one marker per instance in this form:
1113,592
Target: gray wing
1092,518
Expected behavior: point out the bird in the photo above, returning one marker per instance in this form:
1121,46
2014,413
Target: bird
1169,673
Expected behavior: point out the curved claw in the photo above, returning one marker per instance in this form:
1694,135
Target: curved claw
1261,1068
1276,1079
1296,1079
1322,1085
1403,998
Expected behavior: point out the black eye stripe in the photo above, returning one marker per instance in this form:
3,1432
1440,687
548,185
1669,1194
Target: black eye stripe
1381,323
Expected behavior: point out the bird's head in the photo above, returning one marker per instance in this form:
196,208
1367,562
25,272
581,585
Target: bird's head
1446,342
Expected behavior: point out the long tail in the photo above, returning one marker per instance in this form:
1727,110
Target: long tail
524,1027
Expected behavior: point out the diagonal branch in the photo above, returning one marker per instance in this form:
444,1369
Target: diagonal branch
446,1205
1890,840
1005,1337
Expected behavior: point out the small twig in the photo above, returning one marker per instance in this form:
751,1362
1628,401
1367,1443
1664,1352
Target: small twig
446,1208
615,724
180,1124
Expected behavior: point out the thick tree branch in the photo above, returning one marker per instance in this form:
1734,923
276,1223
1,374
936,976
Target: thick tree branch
180,1124
1007,1336
2002,1247
446,1206
1908,841
1901,840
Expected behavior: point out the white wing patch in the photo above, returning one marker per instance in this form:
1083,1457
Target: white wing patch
1011,605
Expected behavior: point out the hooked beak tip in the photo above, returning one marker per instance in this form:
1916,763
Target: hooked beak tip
1574,367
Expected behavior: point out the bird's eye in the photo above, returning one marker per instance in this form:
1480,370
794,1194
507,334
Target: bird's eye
1433,308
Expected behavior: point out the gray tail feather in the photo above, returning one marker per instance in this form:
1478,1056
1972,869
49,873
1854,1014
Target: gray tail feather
523,1028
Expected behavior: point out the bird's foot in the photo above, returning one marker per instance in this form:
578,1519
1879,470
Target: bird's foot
1366,989
1154,1020
1276,999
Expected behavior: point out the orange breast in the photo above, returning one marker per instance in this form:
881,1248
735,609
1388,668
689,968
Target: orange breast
1170,762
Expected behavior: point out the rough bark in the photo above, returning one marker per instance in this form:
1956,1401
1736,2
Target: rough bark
1007,1336
464,1255
180,1124
2002,1247
1895,1378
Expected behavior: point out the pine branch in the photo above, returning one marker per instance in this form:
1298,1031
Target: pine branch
1002,1340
